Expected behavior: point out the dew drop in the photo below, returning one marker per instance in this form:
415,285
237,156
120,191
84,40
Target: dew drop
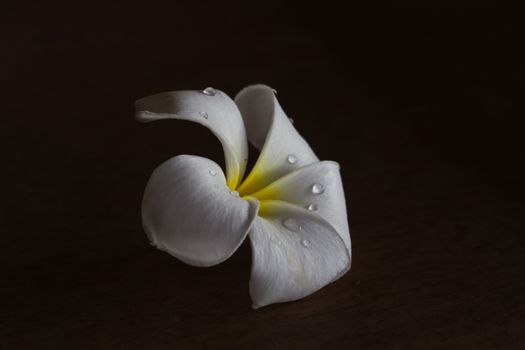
234,193
275,241
292,225
312,207
306,243
291,159
213,172
291,120
317,188
209,91
204,115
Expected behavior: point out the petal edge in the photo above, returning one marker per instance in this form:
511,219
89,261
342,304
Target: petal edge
291,262
269,129
217,112
189,212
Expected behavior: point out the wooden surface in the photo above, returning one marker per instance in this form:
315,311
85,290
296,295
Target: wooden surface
420,108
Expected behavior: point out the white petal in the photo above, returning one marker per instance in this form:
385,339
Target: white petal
297,188
292,259
189,212
269,129
216,112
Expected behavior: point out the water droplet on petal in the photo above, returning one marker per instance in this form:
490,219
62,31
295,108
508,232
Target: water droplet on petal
275,240
213,172
312,207
291,159
204,115
209,91
317,188
306,243
292,225
291,120
234,193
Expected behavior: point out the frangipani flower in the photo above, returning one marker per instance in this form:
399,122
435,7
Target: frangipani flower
291,205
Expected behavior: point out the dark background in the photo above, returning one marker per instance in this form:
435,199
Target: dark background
422,108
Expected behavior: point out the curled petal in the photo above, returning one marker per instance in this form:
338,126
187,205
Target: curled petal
295,253
189,212
316,187
269,129
216,111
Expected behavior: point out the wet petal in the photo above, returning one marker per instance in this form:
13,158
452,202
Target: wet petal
189,212
295,253
269,129
316,187
215,111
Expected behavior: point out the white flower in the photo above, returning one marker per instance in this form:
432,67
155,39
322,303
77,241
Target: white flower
291,205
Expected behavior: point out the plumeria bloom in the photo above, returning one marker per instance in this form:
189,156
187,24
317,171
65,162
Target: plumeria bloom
291,205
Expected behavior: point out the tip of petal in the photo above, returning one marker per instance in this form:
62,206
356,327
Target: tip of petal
144,116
